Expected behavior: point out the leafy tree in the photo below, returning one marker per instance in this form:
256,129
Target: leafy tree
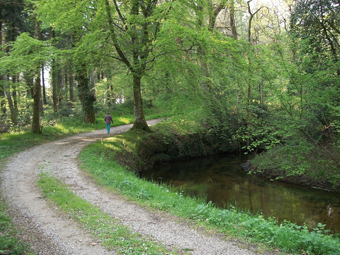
319,22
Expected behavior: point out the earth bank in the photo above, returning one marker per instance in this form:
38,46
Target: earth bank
158,147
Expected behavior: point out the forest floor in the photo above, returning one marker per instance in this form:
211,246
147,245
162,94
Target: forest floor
49,231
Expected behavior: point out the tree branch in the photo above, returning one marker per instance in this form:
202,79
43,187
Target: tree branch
118,11
114,37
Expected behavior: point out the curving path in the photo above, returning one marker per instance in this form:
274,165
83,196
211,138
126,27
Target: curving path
49,232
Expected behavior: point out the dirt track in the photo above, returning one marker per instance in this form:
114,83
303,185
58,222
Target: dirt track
49,232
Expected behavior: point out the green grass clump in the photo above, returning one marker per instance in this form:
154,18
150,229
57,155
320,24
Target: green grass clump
113,234
9,244
98,159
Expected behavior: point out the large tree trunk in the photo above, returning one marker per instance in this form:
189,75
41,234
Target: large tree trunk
85,95
140,122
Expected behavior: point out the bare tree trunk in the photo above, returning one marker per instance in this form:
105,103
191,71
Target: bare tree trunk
2,86
41,107
37,88
71,80
108,95
36,102
60,83
140,122
2,97
54,85
9,100
66,81
11,108
43,83
14,93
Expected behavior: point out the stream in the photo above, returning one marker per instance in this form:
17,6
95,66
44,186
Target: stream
222,180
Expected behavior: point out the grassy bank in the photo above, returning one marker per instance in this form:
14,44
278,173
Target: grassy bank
100,161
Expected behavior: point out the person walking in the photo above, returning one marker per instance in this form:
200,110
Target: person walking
108,120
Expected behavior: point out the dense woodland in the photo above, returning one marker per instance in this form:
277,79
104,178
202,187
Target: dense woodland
265,73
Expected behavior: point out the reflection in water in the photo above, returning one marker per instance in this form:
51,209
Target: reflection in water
223,181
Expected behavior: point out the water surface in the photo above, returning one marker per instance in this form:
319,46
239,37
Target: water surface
222,180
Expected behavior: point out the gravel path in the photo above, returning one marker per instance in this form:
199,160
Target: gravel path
50,232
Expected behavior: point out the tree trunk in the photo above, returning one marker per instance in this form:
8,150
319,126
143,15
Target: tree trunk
36,101
37,88
14,93
29,82
43,83
60,83
232,19
11,108
108,95
71,83
54,85
2,86
86,97
41,107
140,122
2,97
206,85
66,81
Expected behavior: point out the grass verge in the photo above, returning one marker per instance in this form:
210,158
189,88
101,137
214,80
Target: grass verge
99,161
112,234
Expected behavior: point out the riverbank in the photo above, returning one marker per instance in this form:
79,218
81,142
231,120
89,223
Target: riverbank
127,148
305,164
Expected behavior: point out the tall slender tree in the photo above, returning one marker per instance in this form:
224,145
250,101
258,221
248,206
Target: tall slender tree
37,87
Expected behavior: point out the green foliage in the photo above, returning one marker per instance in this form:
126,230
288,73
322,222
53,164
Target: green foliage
299,157
26,54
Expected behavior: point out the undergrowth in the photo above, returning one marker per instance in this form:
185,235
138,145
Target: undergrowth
318,162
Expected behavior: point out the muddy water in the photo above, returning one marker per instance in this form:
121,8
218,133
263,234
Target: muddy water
221,179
